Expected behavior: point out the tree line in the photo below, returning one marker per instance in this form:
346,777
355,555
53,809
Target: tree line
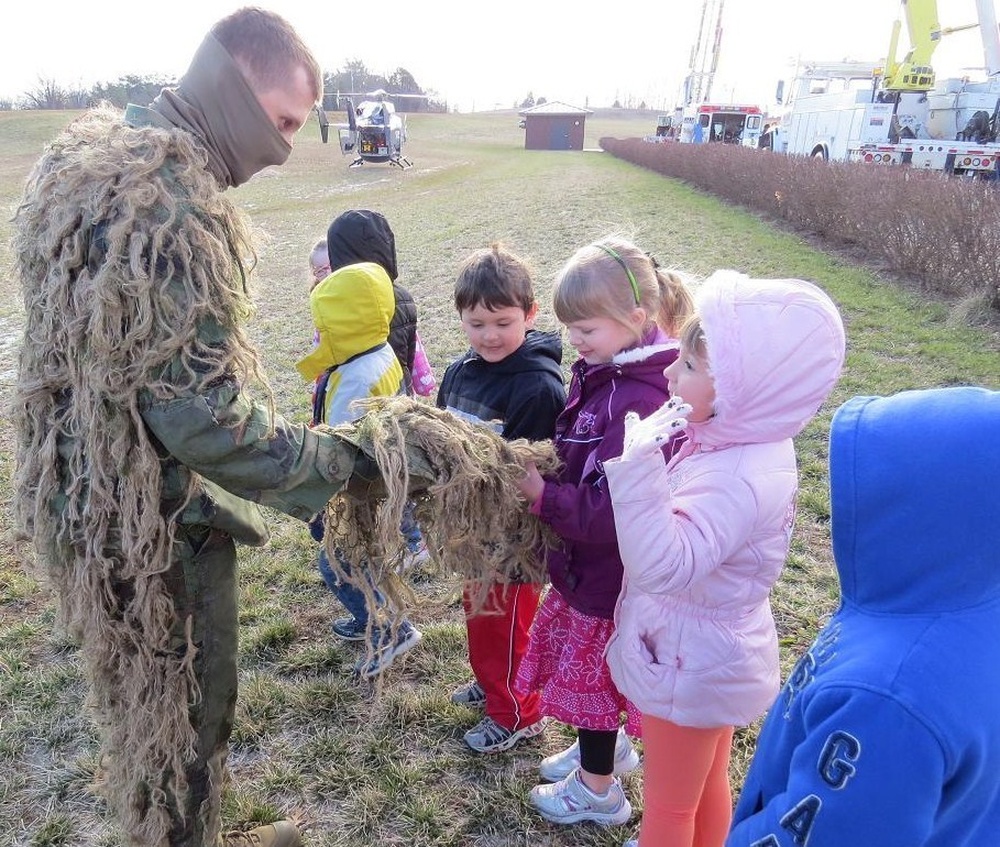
354,78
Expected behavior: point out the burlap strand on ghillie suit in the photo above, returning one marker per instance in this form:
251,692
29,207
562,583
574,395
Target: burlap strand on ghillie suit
463,480
125,250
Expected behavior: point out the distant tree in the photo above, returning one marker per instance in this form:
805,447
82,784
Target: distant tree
354,78
528,101
46,95
401,81
6,104
77,98
540,101
130,89
435,103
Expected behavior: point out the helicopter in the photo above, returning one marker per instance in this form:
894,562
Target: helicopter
374,131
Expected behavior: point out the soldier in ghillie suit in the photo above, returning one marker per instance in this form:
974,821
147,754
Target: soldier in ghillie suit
140,458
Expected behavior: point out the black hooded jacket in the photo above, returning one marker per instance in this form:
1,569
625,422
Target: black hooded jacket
521,395
361,235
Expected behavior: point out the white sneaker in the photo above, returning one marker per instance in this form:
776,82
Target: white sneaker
560,765
570,801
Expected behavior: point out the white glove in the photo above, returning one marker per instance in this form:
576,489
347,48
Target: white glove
646,436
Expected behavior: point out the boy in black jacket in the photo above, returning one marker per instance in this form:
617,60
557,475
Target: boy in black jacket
511,380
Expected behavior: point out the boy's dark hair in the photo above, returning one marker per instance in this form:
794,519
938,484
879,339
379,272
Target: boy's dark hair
496,278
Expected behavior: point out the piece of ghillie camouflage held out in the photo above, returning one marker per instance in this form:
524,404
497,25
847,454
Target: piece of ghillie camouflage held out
463,480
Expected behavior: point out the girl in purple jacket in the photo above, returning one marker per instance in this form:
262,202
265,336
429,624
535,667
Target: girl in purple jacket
622,312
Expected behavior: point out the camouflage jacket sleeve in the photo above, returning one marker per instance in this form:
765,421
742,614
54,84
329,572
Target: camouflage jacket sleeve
230,440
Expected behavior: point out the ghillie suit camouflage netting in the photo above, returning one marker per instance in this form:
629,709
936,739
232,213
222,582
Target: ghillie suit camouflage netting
473,520
126,252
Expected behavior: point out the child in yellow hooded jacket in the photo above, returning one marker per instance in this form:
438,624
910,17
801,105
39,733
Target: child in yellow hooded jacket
352,360
351,309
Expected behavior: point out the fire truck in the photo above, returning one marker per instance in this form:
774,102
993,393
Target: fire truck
730,123
899,114
699,119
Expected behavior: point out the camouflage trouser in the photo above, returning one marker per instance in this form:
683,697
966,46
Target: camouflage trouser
203,583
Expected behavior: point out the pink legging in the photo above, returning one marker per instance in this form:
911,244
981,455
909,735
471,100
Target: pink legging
686,797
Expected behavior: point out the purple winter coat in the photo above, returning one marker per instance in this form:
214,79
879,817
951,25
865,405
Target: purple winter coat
587,569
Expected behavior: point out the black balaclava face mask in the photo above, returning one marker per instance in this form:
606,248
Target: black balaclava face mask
214,102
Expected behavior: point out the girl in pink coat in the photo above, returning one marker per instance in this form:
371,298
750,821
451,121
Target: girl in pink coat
704,536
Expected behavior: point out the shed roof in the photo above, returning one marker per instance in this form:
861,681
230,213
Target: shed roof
555,107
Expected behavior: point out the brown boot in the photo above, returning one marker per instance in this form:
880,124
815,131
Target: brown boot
277,834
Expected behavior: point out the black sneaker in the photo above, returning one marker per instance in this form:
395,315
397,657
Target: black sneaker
407,638
350,629
488,736
471,694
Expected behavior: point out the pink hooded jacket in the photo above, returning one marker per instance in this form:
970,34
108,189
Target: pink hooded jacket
704,538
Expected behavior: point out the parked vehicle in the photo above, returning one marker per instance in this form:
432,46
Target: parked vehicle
899,113
729,123
699,119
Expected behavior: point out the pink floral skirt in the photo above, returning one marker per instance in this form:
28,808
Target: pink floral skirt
565,664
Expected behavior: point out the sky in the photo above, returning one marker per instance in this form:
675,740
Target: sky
492,57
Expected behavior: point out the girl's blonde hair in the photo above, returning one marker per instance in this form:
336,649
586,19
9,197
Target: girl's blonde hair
692,337
611,277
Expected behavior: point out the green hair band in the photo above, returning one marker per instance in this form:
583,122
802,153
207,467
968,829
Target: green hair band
628,271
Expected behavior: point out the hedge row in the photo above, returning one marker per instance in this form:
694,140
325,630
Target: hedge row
941,231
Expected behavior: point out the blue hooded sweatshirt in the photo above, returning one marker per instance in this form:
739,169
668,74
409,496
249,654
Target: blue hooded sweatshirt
887,732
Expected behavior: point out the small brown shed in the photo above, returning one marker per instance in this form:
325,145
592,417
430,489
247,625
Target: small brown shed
554,126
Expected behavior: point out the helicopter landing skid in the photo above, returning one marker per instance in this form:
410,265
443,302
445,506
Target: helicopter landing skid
400,162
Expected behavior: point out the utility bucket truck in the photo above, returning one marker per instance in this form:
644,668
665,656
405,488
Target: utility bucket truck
899,114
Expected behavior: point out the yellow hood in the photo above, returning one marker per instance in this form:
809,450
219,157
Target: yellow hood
352,309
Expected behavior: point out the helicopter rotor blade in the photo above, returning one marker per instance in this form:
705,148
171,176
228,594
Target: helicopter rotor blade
380,94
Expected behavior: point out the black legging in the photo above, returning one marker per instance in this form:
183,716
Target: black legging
597,750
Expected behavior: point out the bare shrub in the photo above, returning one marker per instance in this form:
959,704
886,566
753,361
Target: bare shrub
942,231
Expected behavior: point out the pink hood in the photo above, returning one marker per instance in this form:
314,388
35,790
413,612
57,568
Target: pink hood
768,384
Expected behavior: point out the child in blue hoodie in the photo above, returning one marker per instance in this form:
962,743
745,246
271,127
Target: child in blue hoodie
887,731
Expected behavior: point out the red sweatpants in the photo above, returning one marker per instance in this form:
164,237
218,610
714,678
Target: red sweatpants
498,638
686,797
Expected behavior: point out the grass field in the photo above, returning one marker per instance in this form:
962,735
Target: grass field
356,766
